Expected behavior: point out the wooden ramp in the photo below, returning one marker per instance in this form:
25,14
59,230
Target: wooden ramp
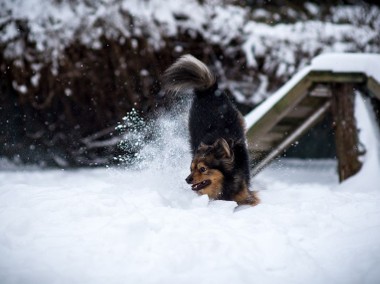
296,107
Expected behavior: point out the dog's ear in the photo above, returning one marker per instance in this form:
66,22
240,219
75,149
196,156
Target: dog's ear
202,145
222,149
203,148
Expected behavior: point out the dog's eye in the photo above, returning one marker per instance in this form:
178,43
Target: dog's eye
202,169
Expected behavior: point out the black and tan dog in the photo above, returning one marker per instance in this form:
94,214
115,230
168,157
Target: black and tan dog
220,165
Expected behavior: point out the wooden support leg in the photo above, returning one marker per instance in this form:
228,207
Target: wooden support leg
344,126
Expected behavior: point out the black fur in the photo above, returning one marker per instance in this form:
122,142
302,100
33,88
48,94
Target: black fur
213,116
214,122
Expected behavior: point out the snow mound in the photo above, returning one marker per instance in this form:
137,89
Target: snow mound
368,178
145,225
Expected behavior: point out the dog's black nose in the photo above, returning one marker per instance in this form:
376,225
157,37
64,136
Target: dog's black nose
189,179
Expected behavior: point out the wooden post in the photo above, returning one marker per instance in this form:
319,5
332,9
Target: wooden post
344,126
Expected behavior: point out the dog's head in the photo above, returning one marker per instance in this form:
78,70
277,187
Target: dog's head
209,166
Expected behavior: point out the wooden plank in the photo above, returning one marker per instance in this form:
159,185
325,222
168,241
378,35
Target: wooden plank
313,102
273,137
346,136
259,146
321,91
282,127
291,122
332,77
300,111
374,87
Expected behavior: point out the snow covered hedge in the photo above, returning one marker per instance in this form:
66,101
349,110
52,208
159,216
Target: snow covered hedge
73,68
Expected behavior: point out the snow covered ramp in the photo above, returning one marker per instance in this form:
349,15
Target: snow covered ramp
285,116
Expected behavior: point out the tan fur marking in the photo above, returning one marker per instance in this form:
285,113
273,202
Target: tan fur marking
200,165
192,166
214,190
246,197
216,177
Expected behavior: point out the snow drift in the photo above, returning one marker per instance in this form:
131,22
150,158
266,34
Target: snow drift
145,225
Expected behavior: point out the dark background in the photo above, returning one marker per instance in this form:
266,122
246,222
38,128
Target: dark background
63,120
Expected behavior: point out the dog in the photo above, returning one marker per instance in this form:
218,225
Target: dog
220,161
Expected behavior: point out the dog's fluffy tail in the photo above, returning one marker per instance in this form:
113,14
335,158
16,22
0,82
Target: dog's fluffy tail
188,73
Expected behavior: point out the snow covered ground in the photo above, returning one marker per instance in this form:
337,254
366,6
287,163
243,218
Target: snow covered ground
115,226
145,225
